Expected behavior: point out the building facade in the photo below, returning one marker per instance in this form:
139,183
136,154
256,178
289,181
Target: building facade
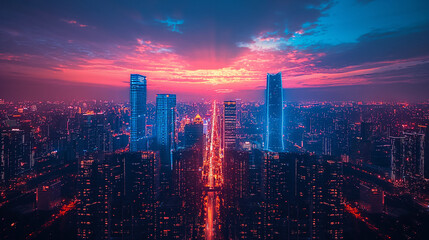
138,95
166,136
230,125
274,113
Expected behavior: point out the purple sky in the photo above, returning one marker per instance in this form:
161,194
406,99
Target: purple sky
326,50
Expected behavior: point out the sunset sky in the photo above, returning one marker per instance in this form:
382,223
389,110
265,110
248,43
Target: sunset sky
72,49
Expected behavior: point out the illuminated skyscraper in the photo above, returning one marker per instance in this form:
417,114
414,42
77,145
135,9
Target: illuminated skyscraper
11,153
239,109
86,209
414,147
274,113
194,133
138,95
407,156
117,195
397,158
165,134
230,125
96,132
326,199
286,184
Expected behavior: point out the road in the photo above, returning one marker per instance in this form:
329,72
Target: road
212,177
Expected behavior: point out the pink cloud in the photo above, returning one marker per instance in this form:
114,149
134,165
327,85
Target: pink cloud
168,71
74,22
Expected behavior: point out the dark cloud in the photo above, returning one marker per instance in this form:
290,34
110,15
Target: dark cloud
211,28
379,46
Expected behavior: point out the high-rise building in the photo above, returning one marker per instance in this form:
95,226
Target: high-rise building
87,194
48,196
187,190
11,153
366,131
371,198
274,113
236,175
194,134
165,135
230,125
366,142
326,199
239,102
425,130
117,195
397,159
415,155
407,156
96,133
286,192
138,95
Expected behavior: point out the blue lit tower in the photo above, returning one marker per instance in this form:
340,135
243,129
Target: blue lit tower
138,94
274,113
165,134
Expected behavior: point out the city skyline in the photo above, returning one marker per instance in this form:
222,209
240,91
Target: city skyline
294,119
71,53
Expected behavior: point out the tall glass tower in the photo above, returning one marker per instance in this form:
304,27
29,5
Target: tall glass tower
165,126
274,113
165,137
138,95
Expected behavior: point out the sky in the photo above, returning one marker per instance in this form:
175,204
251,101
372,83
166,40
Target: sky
326,50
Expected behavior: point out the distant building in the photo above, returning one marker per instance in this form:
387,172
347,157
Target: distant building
236,176
327,145
11,153
97,135
366,142
194,134
397,159
48,196
274,113
371,198
230,125
87,194
407,157
138,95
239,103
415,155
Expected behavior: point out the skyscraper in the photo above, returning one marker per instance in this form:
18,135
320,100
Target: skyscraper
326,199
165,134
286,191
86,209
397,158
414,150
11,153
274,113
194,133
117,195
138,95
239,109
230,125
407,156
